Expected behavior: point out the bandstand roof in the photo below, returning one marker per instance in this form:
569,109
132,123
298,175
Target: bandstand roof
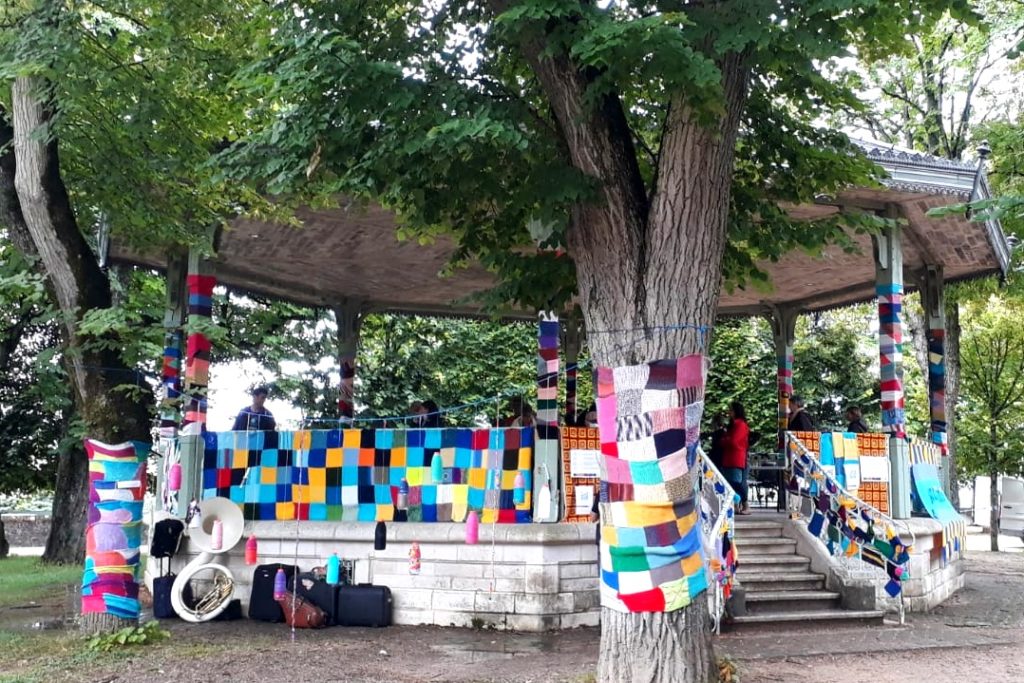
352,252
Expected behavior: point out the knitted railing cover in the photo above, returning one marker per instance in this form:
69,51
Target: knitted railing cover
652,558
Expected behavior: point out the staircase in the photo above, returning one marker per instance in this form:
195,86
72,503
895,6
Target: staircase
780,586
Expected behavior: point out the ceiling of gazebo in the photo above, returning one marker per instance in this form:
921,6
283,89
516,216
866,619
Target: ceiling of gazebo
353,252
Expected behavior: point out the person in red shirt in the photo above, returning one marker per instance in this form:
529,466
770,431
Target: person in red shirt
734,453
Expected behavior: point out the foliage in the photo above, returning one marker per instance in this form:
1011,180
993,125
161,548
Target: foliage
432,111
35,406
930,97
743,369
450,361
145,634
831,366
992,392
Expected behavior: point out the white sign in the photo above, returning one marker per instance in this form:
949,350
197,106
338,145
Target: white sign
584,500
583,463
852,471
874,468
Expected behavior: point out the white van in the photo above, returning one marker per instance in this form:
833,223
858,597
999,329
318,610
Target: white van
1011,504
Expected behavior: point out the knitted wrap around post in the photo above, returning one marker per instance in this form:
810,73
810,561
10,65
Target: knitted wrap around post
937,386
170,378
652,559
547,369
197,353
784,372
117,484
890,348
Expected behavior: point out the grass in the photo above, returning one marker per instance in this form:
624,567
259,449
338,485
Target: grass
26,579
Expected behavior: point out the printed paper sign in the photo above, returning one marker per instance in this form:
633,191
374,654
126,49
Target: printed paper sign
584,463
874,468
852,471
584,499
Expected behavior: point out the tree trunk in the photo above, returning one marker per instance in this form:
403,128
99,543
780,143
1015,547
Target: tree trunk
5,547
952,393
78,286
993,496
656,646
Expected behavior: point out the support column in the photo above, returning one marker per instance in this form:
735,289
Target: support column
170,379
546,452
888,252
200,282
572,352
348,315
783,322
933,300
174,321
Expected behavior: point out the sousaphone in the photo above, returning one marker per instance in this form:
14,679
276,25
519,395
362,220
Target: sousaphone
216,596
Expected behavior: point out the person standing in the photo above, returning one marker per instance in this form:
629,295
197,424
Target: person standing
856,422
256,417
799,420
735,443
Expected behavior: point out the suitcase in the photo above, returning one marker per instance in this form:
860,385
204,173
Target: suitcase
363,605
262,605
320,593
162,608
301,613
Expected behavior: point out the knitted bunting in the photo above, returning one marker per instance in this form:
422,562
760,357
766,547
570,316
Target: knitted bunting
117,485
652,559
170,379
890,347
355,474
547,369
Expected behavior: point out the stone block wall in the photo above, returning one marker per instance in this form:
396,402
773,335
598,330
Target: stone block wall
532,577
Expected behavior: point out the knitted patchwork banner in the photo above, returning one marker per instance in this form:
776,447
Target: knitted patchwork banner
355,474
652,559
117,485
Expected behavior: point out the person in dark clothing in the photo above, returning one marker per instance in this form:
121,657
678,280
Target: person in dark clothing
255,417
595,516
735,444
799,420
853,416
717,434
432,416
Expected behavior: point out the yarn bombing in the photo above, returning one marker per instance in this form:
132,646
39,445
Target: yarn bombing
652,557
117,484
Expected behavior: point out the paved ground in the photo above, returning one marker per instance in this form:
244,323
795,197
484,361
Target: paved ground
978,635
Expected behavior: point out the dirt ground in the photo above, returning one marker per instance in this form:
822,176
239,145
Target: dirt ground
977,635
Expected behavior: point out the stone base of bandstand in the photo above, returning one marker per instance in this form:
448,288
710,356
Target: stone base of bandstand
527,577
862,586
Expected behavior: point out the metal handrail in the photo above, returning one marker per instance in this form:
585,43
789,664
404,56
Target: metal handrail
843,490
726,512
875,512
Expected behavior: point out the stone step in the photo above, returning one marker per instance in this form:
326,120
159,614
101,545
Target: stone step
761,564
768,582
769,602
831,618
757,545
757,528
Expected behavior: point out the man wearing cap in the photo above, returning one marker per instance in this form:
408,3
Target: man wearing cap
256,417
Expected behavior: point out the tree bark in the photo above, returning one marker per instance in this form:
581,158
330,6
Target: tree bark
656,646
79,285
952,393
649,279
993,474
